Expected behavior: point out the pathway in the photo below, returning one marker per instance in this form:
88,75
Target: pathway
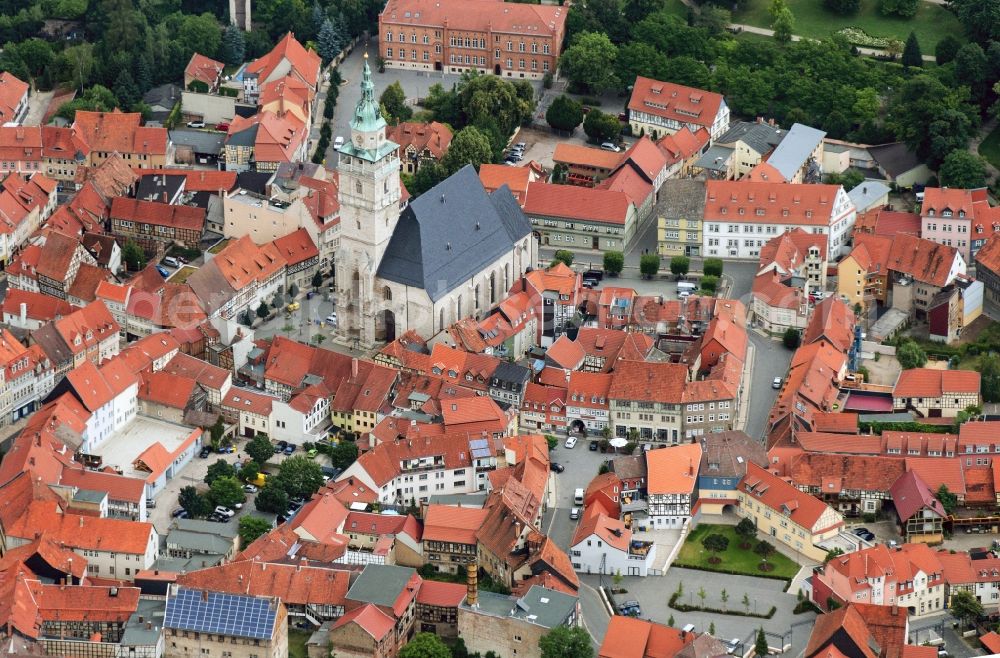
991,172
753,29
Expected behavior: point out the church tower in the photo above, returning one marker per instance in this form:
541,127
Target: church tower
369,209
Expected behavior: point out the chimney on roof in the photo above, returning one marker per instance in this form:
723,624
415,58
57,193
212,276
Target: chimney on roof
472,584
354,368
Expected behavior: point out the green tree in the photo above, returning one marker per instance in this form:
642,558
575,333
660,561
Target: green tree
425,645
933,129
393,99
724,595
263,311
714,19
649,265
614,262
249,471
989,371
946,49
200,33
685,70
963,169
711,628
220,469
830,554
792,338
712,266
252,527
469,146
910,355
233,45
746,602
343,454
747,531
843,7
972,69
760,646
260,449
715,544
782,21
602,127
764,549
227,491
564,114
589,62
317,280
637,58
272,498
949,501
965,607
566,642
299,476
564,256
680,265
328,41
709,283
901,8
848,180
194,503
911,52
134,257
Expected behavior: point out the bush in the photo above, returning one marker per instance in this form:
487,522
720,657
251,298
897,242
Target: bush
649,265
712,267
709,283
564,256
680,265
683,607
792,338
547,80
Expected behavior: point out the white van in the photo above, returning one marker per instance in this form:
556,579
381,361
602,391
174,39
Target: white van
171,261
686,286
578,496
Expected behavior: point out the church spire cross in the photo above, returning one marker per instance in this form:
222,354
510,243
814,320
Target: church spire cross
367,115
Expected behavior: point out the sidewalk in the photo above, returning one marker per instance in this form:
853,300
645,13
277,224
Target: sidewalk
745,381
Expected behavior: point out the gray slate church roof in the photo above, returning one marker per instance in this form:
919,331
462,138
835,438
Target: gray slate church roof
451,232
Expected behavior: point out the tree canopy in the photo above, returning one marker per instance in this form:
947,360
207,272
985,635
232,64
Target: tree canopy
425,645
963,169
589,62
299,476
566,642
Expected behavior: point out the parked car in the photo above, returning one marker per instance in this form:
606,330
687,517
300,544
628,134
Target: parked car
164,272
195,124
557,467
312,453
630,609
338,142
776,383
332,319
250,488
594,445
282,444
520,145
278,449
571,442
294,306
222,127
594,274
222,510
150,503
205,452
290,448
733,645
864,533
179,513
589,283
225,450
608,146
574,513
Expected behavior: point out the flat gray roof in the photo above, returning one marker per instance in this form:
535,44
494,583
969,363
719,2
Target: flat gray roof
793,151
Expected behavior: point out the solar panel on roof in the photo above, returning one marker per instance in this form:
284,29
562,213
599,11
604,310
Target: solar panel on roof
479,448
222,614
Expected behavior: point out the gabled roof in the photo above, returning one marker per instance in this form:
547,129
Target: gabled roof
531,20
910,495
779,495
780,203
12,91
604,206
458,525
642,381
433,136
304,63
118,131
988,256
566,353
933,383
204,68
293,584
832,320
369,618
456,216
386,586
673,470
668,100
937,200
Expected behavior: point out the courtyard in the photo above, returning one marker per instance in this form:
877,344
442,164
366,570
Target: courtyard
734,559
160,444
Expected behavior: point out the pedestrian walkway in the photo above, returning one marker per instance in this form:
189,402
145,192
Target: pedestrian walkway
745,381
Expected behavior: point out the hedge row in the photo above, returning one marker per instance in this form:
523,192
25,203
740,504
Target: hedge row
682,607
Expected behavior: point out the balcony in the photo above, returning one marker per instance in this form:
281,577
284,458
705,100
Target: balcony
638,550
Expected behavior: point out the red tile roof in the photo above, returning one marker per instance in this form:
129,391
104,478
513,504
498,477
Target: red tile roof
158,214
296,247
495,176
453,524
532,20
441,595
566,353
988,255
434,137
12,92
629,637
781,203
369,618
683,144
18,143
574,154
924,260
43,308
932,383
674,469
242,400
938,199
204,68
573,202
197,180
82,532
648,382
800,507
293,584
86,604
832,320
117,131
686,105
118,487
304,63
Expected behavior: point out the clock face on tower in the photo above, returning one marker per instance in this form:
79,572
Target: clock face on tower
357,140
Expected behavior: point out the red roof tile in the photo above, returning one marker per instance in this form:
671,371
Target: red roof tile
117,131
158,214
478,16
293,584
371,620
453,524
573,202
932,383
781,203
204,69
685,105
441,595
674,469
803,509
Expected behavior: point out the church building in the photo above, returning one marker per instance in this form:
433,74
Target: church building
450,254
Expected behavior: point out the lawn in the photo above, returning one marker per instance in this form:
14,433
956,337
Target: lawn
694,555
990,147
931,23
297,643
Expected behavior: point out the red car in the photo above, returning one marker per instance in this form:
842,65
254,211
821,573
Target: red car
222,127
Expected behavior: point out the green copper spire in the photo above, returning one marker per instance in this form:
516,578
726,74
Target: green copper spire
367,116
